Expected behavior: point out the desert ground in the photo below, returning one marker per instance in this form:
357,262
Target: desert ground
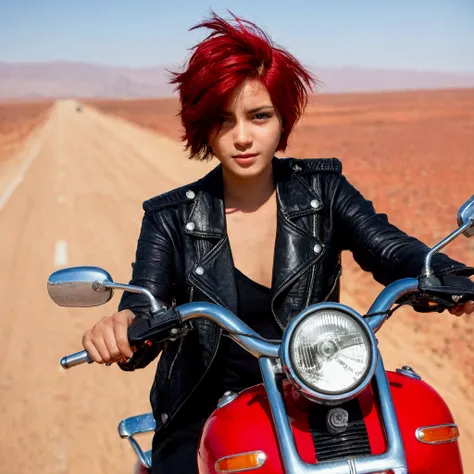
71,191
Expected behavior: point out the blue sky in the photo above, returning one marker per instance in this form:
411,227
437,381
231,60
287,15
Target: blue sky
414,34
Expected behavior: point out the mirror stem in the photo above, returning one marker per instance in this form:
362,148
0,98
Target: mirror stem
427,270
107,285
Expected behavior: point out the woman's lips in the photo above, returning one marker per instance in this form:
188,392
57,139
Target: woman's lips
245,159
244,156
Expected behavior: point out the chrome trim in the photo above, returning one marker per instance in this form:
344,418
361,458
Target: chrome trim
87,286
407,371
427,270
136,424
133,425
155,304
77,358
261,459
393,459
274,390
228,397
277,365
74,287
451,425
143,457
466,216
298,382
230,322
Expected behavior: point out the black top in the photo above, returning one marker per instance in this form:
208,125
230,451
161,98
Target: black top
240,369
234,368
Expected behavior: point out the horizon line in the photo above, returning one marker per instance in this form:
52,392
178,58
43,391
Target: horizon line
167,65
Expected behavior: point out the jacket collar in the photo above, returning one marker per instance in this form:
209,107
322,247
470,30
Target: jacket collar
295,198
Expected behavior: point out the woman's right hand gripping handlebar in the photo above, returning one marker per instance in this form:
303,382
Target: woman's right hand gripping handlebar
107,341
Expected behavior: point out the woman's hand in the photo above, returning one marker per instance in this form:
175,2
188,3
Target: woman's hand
107,341
464,308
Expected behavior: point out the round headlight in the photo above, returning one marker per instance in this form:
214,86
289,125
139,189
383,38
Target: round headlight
330,352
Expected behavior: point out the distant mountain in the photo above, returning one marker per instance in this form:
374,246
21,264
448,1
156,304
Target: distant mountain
69,79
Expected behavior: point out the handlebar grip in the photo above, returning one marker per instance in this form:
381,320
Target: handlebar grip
461,285
137,330
156,328
77,358
444,291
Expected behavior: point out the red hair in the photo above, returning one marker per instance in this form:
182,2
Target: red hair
229,55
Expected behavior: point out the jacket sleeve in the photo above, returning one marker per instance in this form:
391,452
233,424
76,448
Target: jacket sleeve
152,269
377,245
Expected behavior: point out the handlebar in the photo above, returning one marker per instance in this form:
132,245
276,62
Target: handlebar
446,291
77,358
162,326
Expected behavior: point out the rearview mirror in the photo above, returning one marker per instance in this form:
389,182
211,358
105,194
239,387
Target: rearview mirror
466,215
80,286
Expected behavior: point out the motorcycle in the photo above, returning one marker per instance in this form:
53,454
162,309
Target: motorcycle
326,405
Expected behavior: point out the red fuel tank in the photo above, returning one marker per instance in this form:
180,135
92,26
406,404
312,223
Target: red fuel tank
245,425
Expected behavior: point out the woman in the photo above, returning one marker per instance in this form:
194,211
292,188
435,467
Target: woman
259,235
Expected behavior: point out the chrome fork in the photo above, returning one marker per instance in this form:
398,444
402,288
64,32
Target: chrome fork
393,459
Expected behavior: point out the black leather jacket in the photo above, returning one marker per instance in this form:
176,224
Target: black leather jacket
183,255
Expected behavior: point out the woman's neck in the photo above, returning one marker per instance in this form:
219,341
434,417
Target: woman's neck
249,194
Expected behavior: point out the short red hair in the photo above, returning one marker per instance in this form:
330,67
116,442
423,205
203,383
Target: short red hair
221,62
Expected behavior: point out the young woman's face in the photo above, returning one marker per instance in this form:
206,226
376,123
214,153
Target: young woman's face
249,132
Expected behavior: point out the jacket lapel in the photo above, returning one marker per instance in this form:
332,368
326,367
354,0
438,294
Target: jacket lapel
206,227
296,247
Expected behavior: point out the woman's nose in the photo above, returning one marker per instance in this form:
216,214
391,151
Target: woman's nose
242,136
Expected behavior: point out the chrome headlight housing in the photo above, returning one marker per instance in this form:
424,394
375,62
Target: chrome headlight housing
329,353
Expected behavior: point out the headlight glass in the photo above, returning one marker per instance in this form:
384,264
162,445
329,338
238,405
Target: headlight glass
330,352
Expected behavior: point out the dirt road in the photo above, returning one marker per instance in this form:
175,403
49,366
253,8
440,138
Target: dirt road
75,199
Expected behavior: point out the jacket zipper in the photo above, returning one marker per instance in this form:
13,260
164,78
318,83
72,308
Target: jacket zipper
338,274
284,287
207,369
191,293
175,357
311,283
313,270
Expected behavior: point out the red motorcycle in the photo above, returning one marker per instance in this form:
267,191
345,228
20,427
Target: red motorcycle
326,404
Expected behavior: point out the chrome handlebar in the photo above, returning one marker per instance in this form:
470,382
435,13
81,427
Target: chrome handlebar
255,344
77,358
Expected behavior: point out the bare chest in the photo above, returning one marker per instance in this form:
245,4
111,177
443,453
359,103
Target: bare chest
252,242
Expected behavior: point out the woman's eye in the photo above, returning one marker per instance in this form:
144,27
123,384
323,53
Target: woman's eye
262,116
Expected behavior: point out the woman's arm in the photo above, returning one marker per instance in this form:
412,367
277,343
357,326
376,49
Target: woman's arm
377,245
152,269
